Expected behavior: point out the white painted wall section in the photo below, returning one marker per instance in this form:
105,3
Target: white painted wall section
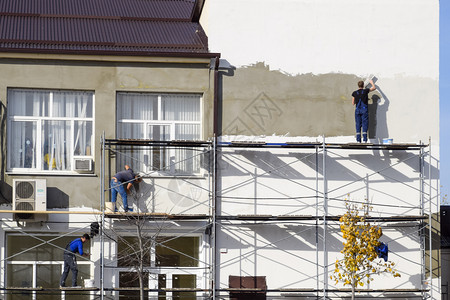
385,37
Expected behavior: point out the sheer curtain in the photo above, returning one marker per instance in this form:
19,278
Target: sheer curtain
133,110
48,127
180,107
159,117
23,134
184,108
56,133
82,129
70,105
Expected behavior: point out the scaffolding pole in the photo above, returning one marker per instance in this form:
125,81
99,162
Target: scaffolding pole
422,213
325,213
430,225
317,223
214,214
102,227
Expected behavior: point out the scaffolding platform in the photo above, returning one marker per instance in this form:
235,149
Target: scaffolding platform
153,143
158,216
310,217
368,146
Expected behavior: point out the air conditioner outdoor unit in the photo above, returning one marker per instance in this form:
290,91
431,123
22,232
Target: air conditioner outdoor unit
83,164
30,195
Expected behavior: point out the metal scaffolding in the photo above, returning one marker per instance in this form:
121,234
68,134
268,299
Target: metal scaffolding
209,221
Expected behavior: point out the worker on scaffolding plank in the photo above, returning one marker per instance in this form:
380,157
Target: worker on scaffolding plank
70,260
118,181
360,98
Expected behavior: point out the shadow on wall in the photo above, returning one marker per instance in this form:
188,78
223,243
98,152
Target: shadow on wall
276,166
378,108
143,196
5,193
254,100
57,198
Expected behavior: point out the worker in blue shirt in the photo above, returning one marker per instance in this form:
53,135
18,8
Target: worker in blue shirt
70,260
121,183
360,98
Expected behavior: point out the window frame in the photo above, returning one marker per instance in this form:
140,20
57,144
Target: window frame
172,271
35,263
38,121
147,168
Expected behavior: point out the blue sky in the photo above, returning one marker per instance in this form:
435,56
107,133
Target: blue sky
444,86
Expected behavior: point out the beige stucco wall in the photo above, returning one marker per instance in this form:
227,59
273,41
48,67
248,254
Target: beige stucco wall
105,76
261,101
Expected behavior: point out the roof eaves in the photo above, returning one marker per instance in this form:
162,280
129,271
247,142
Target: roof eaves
113,52
102,44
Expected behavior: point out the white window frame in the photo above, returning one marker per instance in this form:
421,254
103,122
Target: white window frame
35,263
147,169
38,121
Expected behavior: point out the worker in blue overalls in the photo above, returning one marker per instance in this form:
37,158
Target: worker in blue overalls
361,101
70,260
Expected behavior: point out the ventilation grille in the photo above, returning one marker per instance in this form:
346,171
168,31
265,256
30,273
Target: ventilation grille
25,206
25,190
83,164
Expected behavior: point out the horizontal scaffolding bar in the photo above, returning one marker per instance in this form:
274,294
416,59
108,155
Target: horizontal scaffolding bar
368,146
266,217
113,214
160,216
249,290
309,217
377,146
300,290
132,142
87,289
50,212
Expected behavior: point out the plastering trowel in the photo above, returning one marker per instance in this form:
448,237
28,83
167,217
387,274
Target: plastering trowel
367,81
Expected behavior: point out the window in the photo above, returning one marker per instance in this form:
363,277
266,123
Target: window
175,260
38,262
177,252
159,117
128,252
47,129
169,251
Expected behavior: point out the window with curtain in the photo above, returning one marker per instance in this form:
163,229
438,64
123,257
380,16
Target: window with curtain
159,117
47,128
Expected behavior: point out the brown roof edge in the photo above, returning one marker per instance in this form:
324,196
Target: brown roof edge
197,10
113,53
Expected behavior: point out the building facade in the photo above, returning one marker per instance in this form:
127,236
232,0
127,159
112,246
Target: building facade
247,157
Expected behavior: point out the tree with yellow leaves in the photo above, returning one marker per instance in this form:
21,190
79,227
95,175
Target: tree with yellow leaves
360,256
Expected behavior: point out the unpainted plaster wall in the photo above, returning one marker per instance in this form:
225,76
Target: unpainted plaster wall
260,101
